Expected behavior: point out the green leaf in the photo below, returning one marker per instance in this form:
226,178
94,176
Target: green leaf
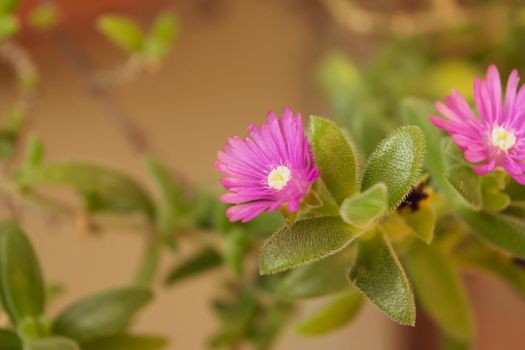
126,342
171,209
364,209
336,314
422,222
9,25
503,231
439,290
335,158
304,242
103,189
416,111
467,183
7,6
44,16
102,314
203,261
450,343
163,33
21,284
9,340
312,280
54,343
396,162
122,31
379,275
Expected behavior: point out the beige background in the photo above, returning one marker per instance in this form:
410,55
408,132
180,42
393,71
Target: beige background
227,71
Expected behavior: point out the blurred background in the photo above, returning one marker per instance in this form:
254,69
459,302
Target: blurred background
232,62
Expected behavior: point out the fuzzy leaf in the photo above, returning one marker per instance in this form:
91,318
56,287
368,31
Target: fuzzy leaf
503,231
304,242
126,342
334,157
312,280
206,259
439,290
21,284
102,314
44,16
364,209
396,162
54,343
379,275
467,183
336,314
103,189
9,340
122,31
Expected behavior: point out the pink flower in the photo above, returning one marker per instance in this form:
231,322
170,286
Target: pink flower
270,168
497,137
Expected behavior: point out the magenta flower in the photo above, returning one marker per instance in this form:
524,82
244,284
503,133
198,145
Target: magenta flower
497,137
270,168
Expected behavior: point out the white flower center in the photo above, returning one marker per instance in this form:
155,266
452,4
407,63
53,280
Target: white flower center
502,138
279,177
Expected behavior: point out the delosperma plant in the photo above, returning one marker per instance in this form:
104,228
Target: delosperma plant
386,200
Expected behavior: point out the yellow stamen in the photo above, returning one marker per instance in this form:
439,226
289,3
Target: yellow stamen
502,138
279,177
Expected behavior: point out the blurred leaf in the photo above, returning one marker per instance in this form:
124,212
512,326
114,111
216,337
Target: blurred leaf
171,207
32,328
493,197
103,189
122,31
501,230
163,33
54,343
9,340
149,263
303,242
449,343
272,324
417,112
312,280
35,152
8,5
203,261
340,80
422,222
397,163
364,209
236,244
101,315
451,72
480,257
21,283
126,342
467,183
339,312
439,290
7,143
334,157
379,275
44,16
9,25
